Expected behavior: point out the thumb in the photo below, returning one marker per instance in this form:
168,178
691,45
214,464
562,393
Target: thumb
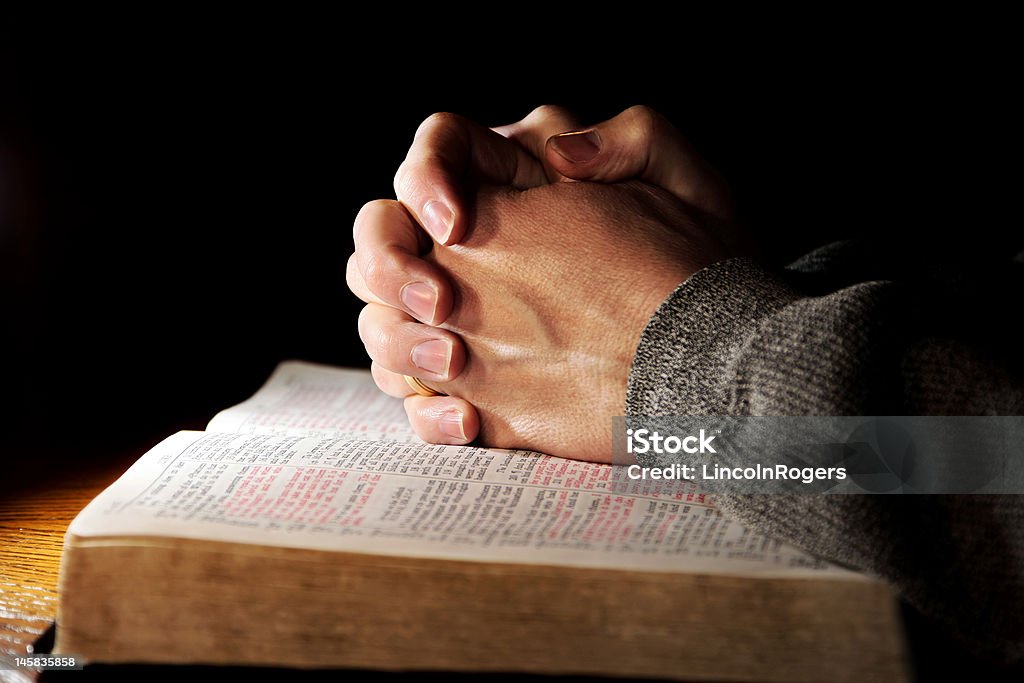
640,144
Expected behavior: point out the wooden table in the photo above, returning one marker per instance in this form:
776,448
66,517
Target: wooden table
36,506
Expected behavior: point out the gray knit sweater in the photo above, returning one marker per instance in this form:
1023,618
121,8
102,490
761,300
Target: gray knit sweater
837,333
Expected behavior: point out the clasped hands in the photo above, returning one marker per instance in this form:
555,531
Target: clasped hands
519,266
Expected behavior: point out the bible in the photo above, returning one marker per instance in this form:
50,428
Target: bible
309,527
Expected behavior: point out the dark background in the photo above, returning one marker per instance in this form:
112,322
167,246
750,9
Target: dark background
177,192
176,200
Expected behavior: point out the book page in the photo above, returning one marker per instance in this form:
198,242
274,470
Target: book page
301,399
413,499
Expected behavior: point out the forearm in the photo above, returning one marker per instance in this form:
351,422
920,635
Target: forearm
736,339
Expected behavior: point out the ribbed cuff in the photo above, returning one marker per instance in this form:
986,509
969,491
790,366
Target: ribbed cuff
682,364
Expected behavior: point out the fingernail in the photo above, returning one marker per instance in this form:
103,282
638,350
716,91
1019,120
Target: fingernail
438,220
421,299
577,146
433,356
451,424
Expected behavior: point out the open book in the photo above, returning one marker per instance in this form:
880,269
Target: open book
309,527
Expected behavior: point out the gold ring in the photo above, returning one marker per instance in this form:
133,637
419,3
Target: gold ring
420,388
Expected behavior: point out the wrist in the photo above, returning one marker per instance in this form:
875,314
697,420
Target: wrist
684,356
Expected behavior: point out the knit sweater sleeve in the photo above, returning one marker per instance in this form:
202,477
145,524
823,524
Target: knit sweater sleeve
736,339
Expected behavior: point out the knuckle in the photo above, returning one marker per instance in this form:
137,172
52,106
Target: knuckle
377,271
645,121
546,112
352,273
438,126
363,324
388,346
408,178
441,119
400,181
378,338
377,372
367,214
386,380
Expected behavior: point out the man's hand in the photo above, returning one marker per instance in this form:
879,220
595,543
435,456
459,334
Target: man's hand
449,152
449,158
556,284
